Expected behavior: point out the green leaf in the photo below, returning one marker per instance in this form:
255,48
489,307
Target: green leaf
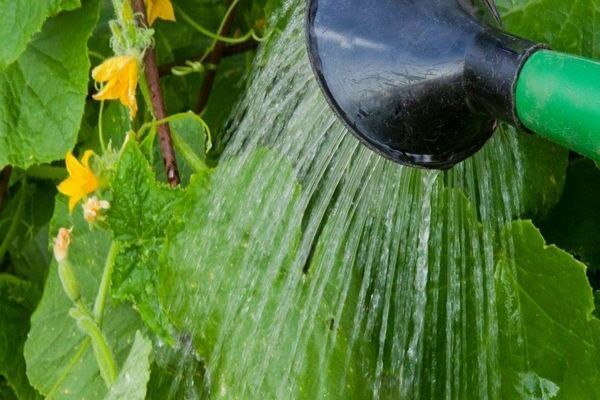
42,94
134,375
20,19
60,361
28,209
569,26
559,345
140,211
17,301
574,224
32,261
141,205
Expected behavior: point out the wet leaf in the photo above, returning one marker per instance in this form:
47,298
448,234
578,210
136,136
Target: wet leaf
549,339
206,275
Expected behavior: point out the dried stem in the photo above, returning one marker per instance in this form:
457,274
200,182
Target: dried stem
152,77
214,59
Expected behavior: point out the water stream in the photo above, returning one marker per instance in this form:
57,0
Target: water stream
342,275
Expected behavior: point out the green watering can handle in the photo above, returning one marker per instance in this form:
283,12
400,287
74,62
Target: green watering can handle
558,97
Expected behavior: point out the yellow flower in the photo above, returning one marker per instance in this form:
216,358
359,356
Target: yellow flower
162,9
61,244
81,180
92,209
121,76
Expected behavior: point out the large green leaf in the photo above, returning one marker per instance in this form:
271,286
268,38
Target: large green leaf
140,212
17,301
20,19
545,291
42,94
60,361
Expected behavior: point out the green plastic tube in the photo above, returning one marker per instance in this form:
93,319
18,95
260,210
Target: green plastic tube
558,96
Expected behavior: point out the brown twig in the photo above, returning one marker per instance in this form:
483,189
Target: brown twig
214,59
4,181
164,132
228,51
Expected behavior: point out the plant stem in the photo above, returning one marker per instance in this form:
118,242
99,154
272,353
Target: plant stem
4,181
148,125
220,36
164,133
96,55
215,58
45,171
100,130
12,229
102,352
100,303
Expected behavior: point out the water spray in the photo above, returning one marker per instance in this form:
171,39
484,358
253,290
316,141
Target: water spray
425,82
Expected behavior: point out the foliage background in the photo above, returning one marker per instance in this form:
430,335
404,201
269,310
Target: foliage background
47,51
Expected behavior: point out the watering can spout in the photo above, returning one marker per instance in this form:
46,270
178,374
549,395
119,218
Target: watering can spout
425,82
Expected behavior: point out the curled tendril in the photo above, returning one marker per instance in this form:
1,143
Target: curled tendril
190,68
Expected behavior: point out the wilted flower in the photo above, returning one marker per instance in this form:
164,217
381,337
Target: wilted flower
121,76
81,180
65,272
61,244
92,208
162,9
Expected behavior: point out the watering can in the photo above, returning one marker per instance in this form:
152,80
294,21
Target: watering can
425,82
